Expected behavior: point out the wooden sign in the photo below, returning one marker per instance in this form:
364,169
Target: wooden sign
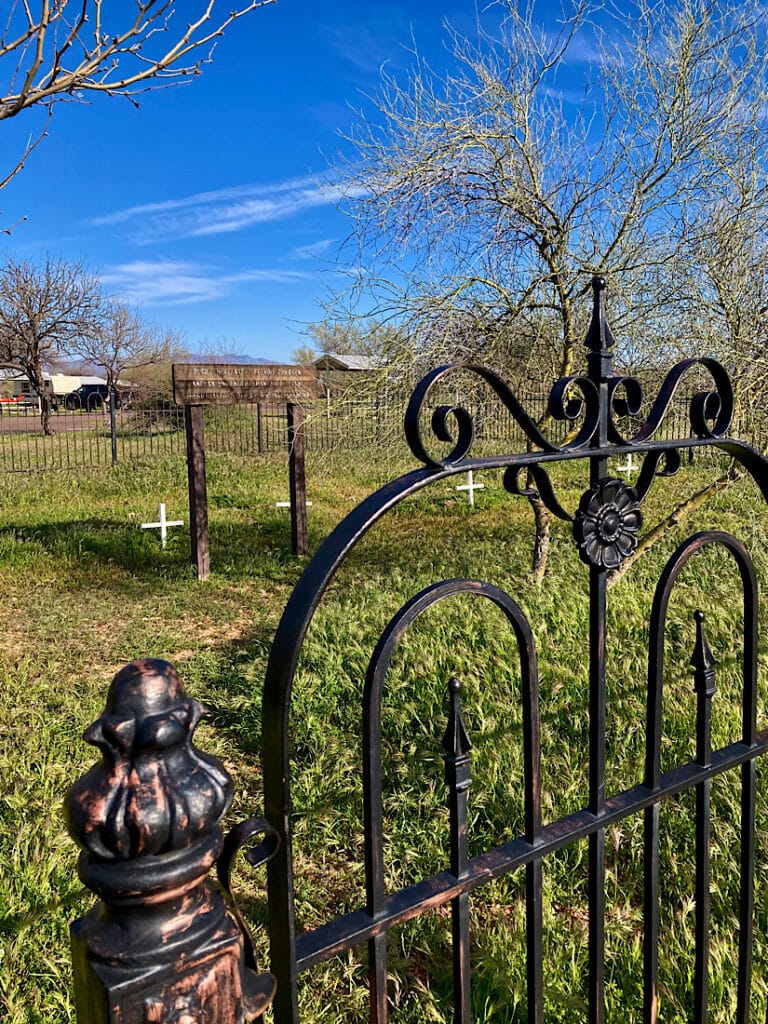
249,383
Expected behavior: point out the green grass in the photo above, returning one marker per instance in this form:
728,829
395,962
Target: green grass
84,590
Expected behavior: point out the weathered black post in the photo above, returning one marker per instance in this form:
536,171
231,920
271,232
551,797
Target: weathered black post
113,423
194,424
160,945
297,480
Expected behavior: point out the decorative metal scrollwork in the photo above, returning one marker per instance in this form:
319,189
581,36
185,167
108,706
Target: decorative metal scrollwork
563,406
237,839
709,412
593,405
464,431
544,488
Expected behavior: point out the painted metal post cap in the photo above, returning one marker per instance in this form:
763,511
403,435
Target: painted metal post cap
153,799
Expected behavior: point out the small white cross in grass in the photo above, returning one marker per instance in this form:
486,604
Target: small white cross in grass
162,525
470,487
629,467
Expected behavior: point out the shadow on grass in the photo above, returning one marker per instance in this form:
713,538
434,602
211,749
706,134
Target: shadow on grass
238,551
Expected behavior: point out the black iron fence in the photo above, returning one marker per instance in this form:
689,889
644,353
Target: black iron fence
87,437
160,946
101,436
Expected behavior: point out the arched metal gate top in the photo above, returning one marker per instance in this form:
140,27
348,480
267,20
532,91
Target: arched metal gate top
605,527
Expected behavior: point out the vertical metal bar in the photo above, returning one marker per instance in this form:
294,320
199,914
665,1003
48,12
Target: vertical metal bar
458,779
651,915
534,950
259,429
596,889
704,685
701,967
113,424
374,853
651,823
747,824
61,445
26,437
533,873
599,341
747,893
4,438
298,483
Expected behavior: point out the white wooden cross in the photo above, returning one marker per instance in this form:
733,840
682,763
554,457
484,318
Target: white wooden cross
162,525
470,486
629,466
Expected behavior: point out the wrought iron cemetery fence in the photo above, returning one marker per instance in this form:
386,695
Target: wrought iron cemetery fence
88,434
160,945
102,433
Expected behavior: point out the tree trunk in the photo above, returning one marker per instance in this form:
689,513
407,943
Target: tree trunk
37,380
542,521
45,413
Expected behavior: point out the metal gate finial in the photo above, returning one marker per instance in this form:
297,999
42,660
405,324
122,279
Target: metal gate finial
160,945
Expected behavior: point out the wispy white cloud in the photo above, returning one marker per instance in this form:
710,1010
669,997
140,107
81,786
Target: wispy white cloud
314,249
235,192
225,210
176,283
366,47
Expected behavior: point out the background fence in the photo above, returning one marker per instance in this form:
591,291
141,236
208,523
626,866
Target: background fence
101,437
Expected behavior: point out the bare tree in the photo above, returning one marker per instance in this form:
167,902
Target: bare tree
304,355
484,199
124,341
44,313
56,51
378,341
725,283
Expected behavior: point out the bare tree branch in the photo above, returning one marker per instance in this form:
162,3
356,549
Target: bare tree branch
66,50
123,340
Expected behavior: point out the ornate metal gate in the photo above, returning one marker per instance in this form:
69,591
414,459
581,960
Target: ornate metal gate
605,528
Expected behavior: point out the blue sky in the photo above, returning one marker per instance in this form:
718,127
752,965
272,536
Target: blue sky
210,205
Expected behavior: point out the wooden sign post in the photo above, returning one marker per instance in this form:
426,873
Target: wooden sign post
198,384
298,482
194,427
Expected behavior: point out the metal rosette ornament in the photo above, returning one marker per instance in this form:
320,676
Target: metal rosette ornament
607,524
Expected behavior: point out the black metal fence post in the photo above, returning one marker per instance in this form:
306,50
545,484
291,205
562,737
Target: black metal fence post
160,945
113,423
